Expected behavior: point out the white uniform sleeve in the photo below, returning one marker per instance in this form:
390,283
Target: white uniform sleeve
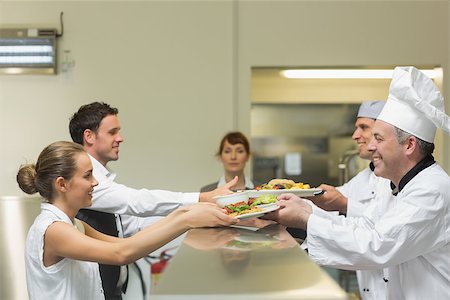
112,197
355,208
117,198
321,212
413,227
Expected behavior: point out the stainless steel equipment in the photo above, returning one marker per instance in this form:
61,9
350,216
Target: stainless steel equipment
16,216
319,134
344,165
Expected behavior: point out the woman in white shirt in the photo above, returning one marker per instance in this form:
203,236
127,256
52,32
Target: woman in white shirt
60,250
234,153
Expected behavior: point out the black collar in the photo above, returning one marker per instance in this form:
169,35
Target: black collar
422,165
371,166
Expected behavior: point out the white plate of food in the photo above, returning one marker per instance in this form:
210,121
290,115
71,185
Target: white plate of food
263,210
280,186
298,192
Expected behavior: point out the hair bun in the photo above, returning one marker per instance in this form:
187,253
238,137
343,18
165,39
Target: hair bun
26,178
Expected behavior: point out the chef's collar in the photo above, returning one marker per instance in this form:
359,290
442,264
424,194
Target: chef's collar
247,182
422,165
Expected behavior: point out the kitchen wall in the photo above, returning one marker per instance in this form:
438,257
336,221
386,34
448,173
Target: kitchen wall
167,66
179,71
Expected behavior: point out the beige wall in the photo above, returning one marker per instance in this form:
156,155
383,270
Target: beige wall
167,66
192,83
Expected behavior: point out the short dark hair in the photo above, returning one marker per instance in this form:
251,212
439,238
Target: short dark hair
425,148
89,116
234,138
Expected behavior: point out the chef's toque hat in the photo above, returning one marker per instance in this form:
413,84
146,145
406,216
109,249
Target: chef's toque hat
370,109
415,104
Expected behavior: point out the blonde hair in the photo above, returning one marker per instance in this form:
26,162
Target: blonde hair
56,160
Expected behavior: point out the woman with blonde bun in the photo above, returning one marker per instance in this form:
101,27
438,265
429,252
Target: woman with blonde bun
62,252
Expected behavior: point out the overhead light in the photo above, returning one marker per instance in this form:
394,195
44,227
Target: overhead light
346,73
28,51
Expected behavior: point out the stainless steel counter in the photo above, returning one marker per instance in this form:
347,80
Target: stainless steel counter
231,263
17,214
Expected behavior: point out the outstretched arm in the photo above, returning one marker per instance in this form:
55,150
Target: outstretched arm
62,240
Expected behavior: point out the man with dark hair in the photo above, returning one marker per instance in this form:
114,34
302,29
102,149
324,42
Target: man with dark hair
96,126
407,236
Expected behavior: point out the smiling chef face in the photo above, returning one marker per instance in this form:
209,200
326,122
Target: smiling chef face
389,156
363,135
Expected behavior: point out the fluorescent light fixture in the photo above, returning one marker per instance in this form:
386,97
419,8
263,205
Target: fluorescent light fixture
17,60
27,51
346,73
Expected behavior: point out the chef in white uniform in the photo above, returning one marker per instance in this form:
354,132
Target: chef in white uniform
355,195
352,197
408,236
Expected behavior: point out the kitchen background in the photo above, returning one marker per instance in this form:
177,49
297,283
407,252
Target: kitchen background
182,75
302,142
301,128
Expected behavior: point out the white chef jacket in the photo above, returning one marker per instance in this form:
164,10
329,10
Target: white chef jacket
360,191
410,236
68,278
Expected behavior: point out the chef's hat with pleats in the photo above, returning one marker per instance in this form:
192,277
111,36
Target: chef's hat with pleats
415,104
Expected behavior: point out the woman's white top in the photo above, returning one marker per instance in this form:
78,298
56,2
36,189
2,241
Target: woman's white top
68,278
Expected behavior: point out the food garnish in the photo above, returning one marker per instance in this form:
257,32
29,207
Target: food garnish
283,184
264,199
240,208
